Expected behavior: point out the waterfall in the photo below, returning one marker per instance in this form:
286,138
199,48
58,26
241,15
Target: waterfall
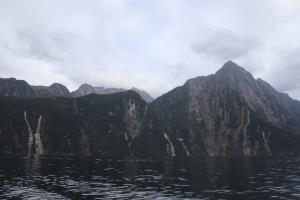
170,146
187,152
246,142
127,140
37,137
266,137
30,138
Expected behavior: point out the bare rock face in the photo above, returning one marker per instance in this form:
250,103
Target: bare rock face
228,113
16,88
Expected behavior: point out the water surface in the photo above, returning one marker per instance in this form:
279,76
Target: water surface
65,177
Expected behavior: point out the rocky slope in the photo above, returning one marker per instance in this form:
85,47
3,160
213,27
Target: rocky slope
86,89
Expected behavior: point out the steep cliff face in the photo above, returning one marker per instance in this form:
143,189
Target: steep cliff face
94,124
16,88
228,113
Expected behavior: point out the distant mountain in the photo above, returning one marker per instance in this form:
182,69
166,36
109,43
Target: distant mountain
86,89
56,89
229,113
19,88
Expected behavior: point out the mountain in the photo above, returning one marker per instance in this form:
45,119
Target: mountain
229,113
86,89
16,88
19,88
224,114
56,89
93,124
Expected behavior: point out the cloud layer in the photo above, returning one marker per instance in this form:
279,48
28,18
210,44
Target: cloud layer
153,45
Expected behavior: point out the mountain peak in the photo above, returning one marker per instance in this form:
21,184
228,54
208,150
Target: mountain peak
232,71
231,67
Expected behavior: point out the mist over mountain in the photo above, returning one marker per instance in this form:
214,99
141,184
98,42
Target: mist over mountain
229,113
86,89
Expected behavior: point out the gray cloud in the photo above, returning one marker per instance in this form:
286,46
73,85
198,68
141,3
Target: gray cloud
153,45
224,45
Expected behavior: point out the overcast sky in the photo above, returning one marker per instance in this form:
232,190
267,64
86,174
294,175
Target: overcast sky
153,45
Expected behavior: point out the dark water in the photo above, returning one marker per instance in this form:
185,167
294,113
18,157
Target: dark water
193,178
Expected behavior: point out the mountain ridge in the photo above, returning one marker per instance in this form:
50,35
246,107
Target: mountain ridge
20,88
86,89
229,113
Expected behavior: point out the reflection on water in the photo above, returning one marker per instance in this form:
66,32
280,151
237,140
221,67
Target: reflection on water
191,178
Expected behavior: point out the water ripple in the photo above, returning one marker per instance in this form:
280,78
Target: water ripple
194,178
